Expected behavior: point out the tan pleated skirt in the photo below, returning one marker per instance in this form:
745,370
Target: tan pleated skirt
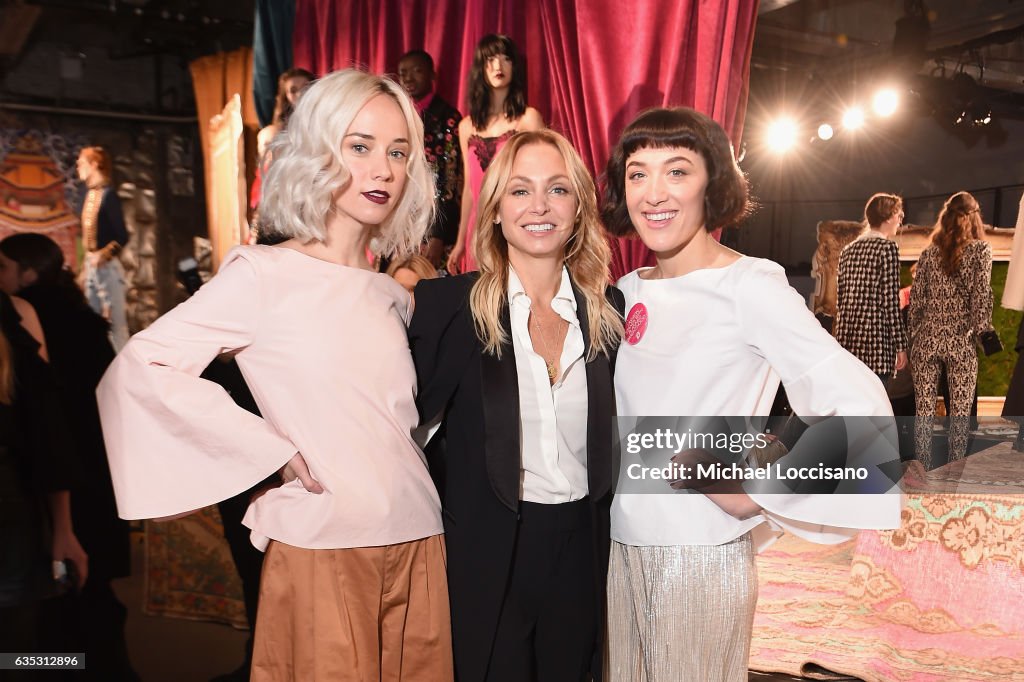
368,614
681,613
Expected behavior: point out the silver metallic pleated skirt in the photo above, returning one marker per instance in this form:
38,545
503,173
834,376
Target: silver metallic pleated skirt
683,613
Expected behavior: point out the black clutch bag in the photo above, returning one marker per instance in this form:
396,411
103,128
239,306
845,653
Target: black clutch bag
990,342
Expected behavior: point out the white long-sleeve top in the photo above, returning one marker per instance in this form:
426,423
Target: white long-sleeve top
553,418
717,343
323,348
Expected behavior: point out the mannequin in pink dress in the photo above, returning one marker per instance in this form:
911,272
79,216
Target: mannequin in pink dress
497,110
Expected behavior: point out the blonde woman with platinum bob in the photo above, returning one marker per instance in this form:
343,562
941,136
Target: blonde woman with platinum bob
517,360
353,584
308,167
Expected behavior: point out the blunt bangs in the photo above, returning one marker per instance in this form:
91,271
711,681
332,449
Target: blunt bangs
727,200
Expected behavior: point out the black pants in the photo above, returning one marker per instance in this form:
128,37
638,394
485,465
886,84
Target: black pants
548,626
248,559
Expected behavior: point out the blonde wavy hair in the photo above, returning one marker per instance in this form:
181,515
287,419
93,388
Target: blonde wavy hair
586,258
959,223
307,170
417,263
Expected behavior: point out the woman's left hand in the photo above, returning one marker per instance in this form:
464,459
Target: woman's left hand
297,468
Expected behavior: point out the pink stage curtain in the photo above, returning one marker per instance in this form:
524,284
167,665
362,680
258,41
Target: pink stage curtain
593,64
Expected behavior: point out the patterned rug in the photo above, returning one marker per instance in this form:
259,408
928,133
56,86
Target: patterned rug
940,599
189,572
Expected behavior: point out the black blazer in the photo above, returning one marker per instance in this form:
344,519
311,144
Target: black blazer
477,471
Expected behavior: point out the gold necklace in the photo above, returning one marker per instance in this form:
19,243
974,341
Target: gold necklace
552,365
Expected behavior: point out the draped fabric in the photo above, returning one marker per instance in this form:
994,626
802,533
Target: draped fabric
271,52
215,79
592,64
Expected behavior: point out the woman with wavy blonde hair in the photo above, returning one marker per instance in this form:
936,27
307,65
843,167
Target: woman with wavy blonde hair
950,308
516,360
353,584
586,252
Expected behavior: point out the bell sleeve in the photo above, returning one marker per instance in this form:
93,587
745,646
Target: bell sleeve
176,442
821,380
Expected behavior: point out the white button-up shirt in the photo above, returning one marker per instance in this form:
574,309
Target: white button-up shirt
552,419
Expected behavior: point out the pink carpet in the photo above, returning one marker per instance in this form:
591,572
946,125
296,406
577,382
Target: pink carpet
942,598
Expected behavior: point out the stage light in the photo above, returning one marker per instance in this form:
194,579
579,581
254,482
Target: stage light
885,102
825,131
972,101
853,118
782,134
975,114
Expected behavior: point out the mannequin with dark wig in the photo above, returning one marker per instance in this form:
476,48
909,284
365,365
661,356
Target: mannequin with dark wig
497,110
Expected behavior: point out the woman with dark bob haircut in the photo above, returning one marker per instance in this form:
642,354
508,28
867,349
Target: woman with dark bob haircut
497,110
709,332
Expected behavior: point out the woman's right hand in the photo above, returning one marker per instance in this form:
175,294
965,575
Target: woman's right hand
296,468
65,547
454,264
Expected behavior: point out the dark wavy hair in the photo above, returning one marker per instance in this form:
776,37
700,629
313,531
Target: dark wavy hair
282,107
727,197
480,92
959,223
42,254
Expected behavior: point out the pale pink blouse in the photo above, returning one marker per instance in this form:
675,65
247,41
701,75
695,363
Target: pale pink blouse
323,348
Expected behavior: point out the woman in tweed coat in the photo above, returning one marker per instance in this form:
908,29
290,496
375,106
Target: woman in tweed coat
868,309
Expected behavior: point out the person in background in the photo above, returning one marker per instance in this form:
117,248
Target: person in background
32,266
497,109
41,556
103,236
950,312
290,86
868,320
901,393
441,143
410,271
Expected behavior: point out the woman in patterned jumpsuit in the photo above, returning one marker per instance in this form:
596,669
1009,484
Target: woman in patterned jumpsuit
950,305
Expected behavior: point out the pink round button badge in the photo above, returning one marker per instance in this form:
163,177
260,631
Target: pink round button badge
636,324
